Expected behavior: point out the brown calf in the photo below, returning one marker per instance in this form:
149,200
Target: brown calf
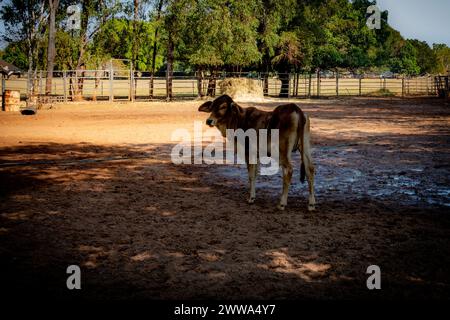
293,126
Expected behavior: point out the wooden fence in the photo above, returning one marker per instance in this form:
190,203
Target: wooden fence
125,85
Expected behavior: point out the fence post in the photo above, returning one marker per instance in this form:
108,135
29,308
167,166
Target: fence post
309,85
403,86
337,84
447,88
167,86
318,83
3,86
111,77
65,85
28,86
360,85
131,82
289,85
40,82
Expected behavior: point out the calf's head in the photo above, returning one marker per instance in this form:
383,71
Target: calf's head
220,111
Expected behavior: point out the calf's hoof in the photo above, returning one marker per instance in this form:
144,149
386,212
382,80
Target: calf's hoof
281,207
311,207
251,200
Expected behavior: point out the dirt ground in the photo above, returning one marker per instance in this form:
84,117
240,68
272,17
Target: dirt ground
93,185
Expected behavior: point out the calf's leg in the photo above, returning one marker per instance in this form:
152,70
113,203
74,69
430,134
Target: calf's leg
309,167
252,169
286,167
286,146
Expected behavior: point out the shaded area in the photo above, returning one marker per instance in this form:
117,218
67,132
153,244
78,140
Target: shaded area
144,228
140,227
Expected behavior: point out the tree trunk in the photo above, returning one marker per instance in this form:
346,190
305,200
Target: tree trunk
212,84
155,47
265,79
31,88
199,83
136,35
96,83
151,85
169,71
135,32
33,22
53,5
82,49
284,90
80,83
318,82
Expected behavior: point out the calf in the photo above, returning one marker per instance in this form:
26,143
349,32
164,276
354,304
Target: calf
293,126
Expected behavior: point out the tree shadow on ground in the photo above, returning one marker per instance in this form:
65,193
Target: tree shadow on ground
142,228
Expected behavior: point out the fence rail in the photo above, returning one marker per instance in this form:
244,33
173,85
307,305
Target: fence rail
126,85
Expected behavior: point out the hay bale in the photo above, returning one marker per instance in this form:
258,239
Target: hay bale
11,101
242,89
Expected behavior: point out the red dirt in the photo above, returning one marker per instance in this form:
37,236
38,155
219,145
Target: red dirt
141,227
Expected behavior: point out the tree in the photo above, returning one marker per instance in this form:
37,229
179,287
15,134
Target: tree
210,36
243,23
405,62
157,22
207,35
425,56
25,21
94,14
136,31
16,54
174,21
51,51
289,54
442,53
220,34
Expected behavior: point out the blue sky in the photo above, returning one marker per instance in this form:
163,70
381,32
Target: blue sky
426,20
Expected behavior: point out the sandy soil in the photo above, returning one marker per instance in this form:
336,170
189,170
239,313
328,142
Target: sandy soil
93,185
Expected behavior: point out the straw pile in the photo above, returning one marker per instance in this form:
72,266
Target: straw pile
242,89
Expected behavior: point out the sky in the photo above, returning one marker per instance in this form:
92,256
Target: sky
426,20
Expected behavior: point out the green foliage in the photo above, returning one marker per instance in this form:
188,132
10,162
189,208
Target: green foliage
116,38
24,23
263,35
221,33
289,50
66,51
406,61
425,57
442,53
208,35
16,53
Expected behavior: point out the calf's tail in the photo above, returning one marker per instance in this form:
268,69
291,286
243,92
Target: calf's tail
304,145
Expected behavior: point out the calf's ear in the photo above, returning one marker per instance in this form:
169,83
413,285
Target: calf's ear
206,107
